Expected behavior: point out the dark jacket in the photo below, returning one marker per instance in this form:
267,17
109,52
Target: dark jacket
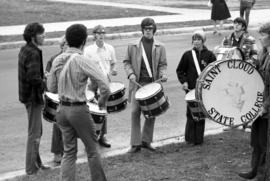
186,70
30,74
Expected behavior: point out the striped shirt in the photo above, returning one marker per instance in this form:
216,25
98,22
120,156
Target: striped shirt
72,81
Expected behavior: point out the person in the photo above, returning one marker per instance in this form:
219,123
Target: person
245,8
103,54
136,70
219,13
31,89
69,74
240,38
260,125
57,147
187,75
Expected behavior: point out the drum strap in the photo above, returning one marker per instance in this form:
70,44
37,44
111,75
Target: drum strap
146,62
196,62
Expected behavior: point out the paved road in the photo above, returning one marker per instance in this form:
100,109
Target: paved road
13,117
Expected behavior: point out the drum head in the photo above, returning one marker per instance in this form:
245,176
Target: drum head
90,95
94,109
116,86
231,92
190,96
147,91
52,96
227,53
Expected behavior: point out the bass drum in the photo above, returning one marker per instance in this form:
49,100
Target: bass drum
228,53
230,92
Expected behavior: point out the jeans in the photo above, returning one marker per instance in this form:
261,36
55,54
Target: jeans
76,121
33,160
57,141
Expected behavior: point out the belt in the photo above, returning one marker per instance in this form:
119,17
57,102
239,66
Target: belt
67,103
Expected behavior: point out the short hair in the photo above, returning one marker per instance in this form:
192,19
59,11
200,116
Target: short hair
76,35
98,28
241,21
265,28
148,22
31,30
199,34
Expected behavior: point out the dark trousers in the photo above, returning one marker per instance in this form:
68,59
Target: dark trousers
194,131
57,141
74,122
258,143
245,9
33,160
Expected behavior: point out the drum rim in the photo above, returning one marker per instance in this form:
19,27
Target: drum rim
55,101
161,88
197,87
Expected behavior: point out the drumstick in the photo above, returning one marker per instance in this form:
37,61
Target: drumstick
158,80
136,83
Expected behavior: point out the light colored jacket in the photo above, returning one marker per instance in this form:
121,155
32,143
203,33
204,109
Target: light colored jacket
133,60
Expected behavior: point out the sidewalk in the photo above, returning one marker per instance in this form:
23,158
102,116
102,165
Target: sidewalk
257,17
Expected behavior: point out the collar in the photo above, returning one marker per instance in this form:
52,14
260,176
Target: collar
32,45
72,50
137,42
97,47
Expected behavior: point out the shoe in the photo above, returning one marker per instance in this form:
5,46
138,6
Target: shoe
214,32
103,142
44,167
147,146
32,173
134,149
57,158
248,175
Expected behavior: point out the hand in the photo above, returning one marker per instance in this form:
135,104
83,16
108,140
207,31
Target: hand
132,77
185,86
163,79
113,72
263,111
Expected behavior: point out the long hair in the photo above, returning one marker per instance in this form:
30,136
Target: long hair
31,30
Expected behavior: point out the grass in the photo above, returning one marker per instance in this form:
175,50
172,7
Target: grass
119,29
219,158
18,12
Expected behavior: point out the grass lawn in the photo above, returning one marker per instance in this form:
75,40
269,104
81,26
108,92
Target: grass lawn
17,12
119,29
220,158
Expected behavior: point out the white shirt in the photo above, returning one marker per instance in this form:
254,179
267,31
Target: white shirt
104,57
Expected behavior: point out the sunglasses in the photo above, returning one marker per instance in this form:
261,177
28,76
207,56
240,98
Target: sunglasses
148,28
102,32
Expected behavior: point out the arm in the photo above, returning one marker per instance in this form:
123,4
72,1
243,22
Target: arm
113,61
182,68
128,64
53,76
96,77
33,72
162,65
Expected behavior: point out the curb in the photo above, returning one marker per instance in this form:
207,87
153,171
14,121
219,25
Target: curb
55,41
116,152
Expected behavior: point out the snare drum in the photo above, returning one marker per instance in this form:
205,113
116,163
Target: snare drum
51,104
194,106
227,53
97,114
116,101
152,100
230,92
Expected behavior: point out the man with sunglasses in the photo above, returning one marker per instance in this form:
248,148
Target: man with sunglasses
144,69
103,55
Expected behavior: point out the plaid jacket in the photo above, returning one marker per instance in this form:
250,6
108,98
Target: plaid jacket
30,74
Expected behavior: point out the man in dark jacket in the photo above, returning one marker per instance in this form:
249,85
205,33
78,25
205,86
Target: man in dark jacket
31,88
187,75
